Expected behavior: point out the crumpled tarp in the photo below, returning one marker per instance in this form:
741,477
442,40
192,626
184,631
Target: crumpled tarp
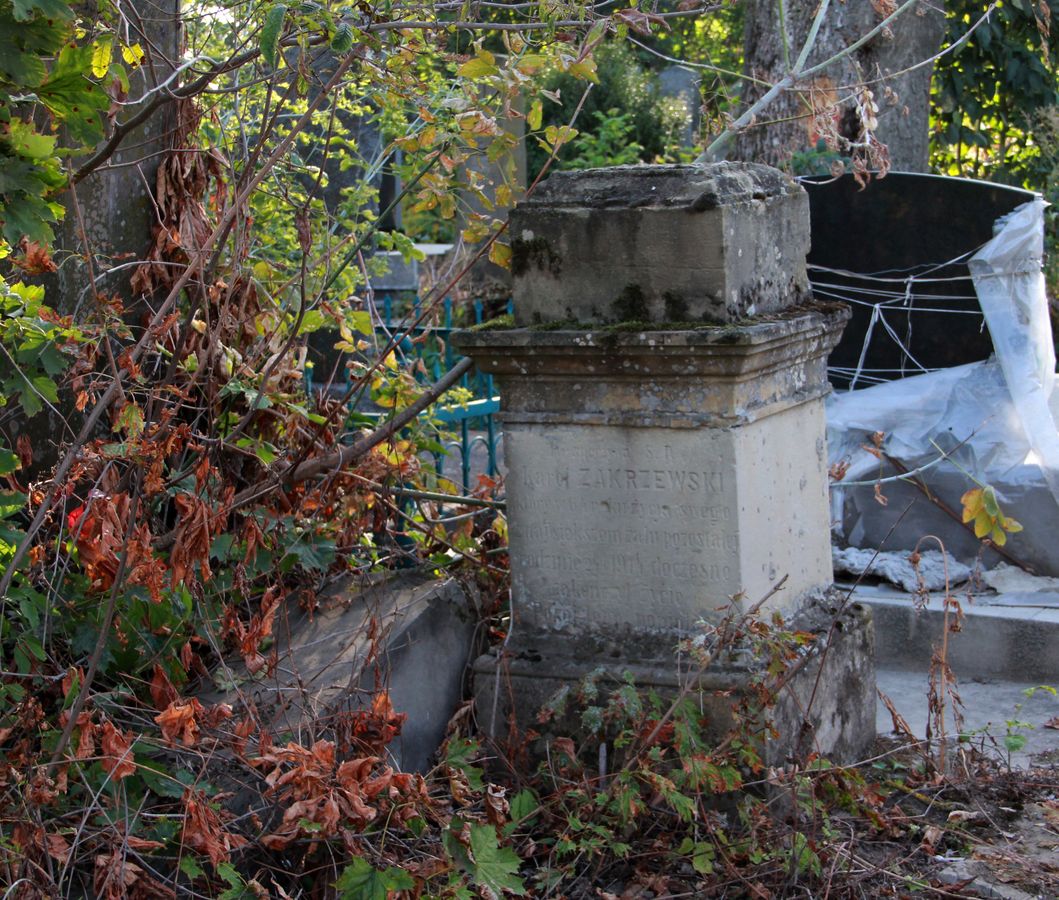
993,419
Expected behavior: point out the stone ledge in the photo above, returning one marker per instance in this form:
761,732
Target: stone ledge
693,187
841,722
676,379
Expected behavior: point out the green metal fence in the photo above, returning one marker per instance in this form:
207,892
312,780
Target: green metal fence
473,423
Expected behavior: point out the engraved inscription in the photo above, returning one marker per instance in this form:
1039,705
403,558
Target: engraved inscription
633,532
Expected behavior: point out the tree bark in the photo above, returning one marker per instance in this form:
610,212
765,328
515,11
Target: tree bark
114,213
794,120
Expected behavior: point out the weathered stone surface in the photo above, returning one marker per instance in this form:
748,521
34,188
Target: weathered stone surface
653,529
678,378
995,641
414,636
831,712
713,243
654,475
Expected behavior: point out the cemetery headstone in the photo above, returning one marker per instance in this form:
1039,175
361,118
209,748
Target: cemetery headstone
662,401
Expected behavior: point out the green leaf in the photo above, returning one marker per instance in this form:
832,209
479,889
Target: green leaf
31,404
362,881
27,216
11,501
73,97
130,420
361,321
270,33
701,855
459,755
536,115
523,804
1014,742
25,46
478,67
30,612
342,42
36,648
9,462
48,9
311,554
495,867
28,143
47,388
190,867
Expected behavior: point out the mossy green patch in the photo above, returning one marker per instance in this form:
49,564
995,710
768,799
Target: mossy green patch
500,323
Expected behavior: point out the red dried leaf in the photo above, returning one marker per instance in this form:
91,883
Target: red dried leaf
86,736
204,832
58,847
496,805
163,694
242,733
117,753
24,449
34,259
260,627
142,844
179,720
100,535
144,568
192,542
377,727
212,716
187,656
73,676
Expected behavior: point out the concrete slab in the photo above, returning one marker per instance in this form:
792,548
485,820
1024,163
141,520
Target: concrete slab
989,705
1008,644
1016,640
411,634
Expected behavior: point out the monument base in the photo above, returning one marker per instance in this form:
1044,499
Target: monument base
826,704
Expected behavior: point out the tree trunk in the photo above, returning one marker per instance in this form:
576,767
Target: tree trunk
827,104
117,212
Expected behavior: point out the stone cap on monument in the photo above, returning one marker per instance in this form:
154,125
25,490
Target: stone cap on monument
668,244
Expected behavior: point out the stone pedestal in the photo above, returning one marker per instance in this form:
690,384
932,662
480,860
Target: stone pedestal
669,470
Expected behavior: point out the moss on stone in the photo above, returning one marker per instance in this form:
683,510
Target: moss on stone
559,325
507,322
500,323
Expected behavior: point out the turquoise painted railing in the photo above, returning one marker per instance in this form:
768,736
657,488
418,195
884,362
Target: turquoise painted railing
473,423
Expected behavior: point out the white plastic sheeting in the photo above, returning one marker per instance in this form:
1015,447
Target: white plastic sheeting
992,418
1010,286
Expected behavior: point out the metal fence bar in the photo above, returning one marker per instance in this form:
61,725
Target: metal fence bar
431,345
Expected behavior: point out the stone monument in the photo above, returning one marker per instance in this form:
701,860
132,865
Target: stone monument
662,395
